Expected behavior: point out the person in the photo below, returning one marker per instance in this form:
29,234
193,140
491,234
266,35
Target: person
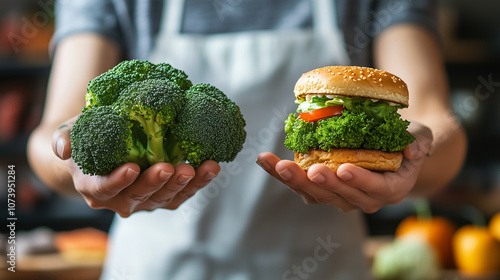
234,220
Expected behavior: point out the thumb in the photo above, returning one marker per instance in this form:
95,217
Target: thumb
61,144
422,144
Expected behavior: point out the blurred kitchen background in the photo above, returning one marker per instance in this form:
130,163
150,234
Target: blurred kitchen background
471,43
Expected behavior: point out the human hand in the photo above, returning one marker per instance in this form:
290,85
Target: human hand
126,190
353,187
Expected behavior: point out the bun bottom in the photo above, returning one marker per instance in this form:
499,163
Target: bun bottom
369,159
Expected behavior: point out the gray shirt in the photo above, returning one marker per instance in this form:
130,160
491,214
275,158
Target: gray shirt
134,24
243,225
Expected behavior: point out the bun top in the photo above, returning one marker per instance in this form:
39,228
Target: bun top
353,81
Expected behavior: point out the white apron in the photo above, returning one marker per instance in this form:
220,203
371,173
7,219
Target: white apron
245,224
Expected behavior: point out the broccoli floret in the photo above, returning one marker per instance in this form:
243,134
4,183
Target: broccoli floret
101,140
105,89
345,131
134,70
154,104
146,113
175,75
210,126
301,135
351,130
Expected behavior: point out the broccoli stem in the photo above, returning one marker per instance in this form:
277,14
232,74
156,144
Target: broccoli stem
174,152
155,151
136,155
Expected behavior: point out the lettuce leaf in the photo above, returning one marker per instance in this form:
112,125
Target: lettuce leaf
317,103
374,109
377,110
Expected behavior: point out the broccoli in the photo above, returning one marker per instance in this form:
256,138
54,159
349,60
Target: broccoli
105,88
210,126
301,135
357,128
101,140
154,104
148,113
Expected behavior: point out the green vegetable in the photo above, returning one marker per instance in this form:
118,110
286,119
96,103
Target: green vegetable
105,88
378,110
145,113
301,135
210,126
363,124
318,103
406,260
101,140
154,104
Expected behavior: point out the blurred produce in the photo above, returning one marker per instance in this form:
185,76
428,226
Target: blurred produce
494,226
82,245
476,251
35,242
12,102
433,230
406,260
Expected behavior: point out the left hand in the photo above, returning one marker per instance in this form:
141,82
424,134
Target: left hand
126,190
353,187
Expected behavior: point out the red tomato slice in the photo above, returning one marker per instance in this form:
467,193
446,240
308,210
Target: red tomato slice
322,113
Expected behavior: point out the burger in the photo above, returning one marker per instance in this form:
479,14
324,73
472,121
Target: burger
349,115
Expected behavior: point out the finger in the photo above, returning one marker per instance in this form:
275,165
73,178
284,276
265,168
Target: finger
329,180
293,176
268,162
204,175
61,140
324,187
384,188
149,182
372,183
98,190
207,171
184,173
296,179
300,182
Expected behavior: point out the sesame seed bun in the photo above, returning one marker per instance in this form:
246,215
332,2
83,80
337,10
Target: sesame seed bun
369,159
353,81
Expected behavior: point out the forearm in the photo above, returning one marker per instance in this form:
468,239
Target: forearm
78,59
52,170
445,161
417,60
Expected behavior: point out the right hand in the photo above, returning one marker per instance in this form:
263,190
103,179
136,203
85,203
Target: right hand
353,187
126,190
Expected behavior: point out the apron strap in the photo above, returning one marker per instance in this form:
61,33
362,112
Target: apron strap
174,11
323,13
